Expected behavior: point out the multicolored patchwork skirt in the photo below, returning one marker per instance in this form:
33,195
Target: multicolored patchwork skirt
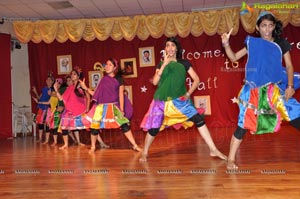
53,119
263,108
41,116
162,114
73,122
106,116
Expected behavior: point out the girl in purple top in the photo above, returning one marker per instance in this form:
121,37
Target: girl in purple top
110,110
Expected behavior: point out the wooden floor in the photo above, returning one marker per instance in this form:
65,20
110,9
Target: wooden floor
179,167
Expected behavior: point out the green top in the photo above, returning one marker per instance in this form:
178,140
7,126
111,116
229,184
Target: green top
172,82
61,91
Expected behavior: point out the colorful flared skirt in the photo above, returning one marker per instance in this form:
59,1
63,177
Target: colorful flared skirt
106,116
53,119
41,116
162,114
73,122
263,108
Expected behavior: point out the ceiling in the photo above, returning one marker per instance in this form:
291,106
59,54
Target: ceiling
11,10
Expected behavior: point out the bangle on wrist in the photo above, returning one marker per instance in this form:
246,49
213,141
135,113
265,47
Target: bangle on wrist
188,94
290,86
225,44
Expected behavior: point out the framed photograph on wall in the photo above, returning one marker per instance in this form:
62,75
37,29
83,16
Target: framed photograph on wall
128,66
94,78
64,64
203,103
146,56
128,92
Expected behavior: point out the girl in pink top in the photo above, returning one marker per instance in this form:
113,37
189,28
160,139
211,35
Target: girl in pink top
76,102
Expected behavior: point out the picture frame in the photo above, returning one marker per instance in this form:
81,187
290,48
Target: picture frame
64,64
128,89
203,102
146,56
128,66
94,78
99,66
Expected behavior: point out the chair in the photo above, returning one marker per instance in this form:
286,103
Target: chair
24,120
28,121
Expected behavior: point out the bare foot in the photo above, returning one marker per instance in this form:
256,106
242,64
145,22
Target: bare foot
143,158
137,148
46,142
53,144
81,144
231,165
104,146
92,150
63,147
75,143
217,153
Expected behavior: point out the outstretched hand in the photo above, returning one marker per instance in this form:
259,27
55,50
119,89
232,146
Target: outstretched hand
33,89
82,84
35,99
225,36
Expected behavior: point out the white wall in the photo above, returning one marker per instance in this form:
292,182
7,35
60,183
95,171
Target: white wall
20,84
19,70
20,77
19,73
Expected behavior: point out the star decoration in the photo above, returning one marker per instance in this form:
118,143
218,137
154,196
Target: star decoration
143,89
235,100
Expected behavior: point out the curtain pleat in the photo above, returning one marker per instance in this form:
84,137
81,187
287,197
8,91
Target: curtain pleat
141,26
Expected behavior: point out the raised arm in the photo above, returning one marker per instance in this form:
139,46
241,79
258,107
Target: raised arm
230,54
157,75
84,87
158,72
88,101
55,86
33,89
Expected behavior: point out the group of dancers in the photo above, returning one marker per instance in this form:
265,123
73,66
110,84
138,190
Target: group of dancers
264,100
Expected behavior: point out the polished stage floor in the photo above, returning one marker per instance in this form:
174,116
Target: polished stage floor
179,166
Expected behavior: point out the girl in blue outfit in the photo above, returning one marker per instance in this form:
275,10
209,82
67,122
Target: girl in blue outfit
263,100
42,108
